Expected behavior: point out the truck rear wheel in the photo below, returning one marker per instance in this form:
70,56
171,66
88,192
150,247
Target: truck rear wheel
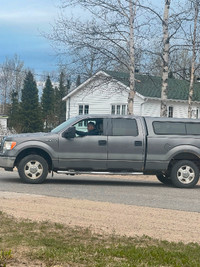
33,169
185,174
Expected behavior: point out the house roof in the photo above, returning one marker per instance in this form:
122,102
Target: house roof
150,86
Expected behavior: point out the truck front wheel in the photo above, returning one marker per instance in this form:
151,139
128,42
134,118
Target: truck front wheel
33,169
185,174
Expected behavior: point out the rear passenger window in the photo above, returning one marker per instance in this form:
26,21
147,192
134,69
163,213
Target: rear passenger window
124,127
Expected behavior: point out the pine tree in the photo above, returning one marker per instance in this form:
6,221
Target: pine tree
14,121
47,103
78,80
60,106
63,92
31,119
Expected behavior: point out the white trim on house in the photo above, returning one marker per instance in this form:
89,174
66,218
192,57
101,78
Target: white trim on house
100,95
99,73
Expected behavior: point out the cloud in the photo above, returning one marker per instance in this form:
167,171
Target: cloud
23,11
19,17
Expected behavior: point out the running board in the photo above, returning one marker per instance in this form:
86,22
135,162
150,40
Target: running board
72,172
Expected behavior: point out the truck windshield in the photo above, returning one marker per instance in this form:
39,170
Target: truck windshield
63,125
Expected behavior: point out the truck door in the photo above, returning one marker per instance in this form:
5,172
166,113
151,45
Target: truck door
85,152
126,144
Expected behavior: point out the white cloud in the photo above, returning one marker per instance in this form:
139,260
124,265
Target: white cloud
25,17
23,11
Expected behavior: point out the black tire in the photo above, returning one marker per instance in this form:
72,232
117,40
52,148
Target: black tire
33,169
184,174
164,179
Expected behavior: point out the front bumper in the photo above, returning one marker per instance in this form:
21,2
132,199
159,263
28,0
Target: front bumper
7,162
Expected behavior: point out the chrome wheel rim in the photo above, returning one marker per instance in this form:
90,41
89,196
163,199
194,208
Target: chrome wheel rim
33,169
185,174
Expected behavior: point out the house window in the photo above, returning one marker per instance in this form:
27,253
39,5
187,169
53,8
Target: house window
197,113
170,112
119,109
123,109
113,109
86,109
83,110
80,110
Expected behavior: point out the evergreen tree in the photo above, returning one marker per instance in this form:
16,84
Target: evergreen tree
47,103
14,121
31,120
60,106
78,80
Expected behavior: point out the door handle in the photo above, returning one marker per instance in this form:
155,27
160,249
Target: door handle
102,142
138,143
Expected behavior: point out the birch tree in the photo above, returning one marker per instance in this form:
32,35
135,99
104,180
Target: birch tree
195,4
11,80
113,27
165,57
172,33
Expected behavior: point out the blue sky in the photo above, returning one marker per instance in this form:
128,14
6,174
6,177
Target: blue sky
21,24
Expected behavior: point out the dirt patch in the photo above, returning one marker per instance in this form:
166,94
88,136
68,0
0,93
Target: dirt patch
105,217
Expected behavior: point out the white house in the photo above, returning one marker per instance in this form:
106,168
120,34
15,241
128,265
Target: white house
107,92
3,126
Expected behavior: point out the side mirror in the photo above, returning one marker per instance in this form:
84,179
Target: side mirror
69,133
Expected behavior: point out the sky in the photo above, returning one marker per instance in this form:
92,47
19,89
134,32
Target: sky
21,25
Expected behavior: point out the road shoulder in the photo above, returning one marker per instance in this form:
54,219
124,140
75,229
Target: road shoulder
103,217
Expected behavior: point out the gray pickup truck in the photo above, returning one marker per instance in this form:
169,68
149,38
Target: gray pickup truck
167,148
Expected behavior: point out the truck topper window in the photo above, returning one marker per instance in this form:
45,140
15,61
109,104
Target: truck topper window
176,128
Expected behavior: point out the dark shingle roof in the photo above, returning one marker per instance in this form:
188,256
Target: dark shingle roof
150,86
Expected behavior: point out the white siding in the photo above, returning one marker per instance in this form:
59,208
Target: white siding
180,109
99,98
3,123
138,105
101,95
151,108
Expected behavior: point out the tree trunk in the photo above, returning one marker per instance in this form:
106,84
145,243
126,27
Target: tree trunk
165,72
132,59
191,88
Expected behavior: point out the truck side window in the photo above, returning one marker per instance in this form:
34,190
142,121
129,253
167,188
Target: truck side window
169,128
82,128
176,128
124,127
193,128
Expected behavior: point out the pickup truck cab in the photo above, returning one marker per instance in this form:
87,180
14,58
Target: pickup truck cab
167,148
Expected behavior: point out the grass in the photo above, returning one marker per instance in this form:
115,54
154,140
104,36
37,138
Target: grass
55,244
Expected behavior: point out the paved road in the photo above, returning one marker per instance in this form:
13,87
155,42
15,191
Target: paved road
108,189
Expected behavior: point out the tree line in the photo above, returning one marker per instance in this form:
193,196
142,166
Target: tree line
28,113
155,37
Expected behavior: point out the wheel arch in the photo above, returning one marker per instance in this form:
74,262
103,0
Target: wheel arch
184,156
37,151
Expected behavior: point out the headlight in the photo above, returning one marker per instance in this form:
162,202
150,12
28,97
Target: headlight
8,145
